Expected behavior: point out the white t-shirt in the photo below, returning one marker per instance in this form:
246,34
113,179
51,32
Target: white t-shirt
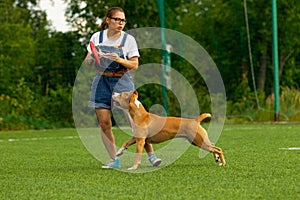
130,48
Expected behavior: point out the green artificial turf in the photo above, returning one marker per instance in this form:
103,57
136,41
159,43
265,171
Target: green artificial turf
54,164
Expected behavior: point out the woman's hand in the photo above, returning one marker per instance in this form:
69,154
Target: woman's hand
111,56
132,63
89,60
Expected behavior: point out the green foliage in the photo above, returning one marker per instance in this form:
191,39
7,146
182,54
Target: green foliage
58,60
289,104
18,107
24,99
92,11
16,55
24,109
38,66
247,110
57,107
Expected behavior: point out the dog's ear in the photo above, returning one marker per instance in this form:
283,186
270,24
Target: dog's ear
136,93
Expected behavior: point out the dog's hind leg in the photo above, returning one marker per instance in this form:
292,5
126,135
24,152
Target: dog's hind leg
216,156
202,141
217,153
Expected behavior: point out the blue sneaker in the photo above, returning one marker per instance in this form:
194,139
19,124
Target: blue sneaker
113,163
154,160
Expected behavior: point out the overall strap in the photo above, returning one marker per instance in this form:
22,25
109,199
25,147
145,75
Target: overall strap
101,37
124,40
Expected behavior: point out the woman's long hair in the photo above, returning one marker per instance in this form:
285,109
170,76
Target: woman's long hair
109,14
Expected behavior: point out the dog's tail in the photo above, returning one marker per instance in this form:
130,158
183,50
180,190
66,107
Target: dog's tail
203,116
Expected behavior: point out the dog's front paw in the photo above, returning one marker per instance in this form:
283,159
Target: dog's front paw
120,151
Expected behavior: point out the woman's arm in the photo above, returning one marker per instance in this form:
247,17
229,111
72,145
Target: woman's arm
89,60
132,63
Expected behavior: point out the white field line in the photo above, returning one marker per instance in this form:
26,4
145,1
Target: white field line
39,139
246,128
243,128
51,138
291,148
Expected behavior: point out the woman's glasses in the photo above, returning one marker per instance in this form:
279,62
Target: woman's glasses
119,20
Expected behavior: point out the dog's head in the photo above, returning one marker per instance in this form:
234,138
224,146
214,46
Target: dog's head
123,99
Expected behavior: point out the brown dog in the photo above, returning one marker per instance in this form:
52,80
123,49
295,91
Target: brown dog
151,128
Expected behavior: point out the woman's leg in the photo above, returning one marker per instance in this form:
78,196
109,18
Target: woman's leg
149,149
107,135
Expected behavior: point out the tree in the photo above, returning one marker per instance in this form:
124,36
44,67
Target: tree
289,42
221,29
86,16
218,27
16,56
58,58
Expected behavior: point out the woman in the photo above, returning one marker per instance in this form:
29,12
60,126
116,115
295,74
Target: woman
118,55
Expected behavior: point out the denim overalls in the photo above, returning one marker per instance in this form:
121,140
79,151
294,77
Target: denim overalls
103,86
